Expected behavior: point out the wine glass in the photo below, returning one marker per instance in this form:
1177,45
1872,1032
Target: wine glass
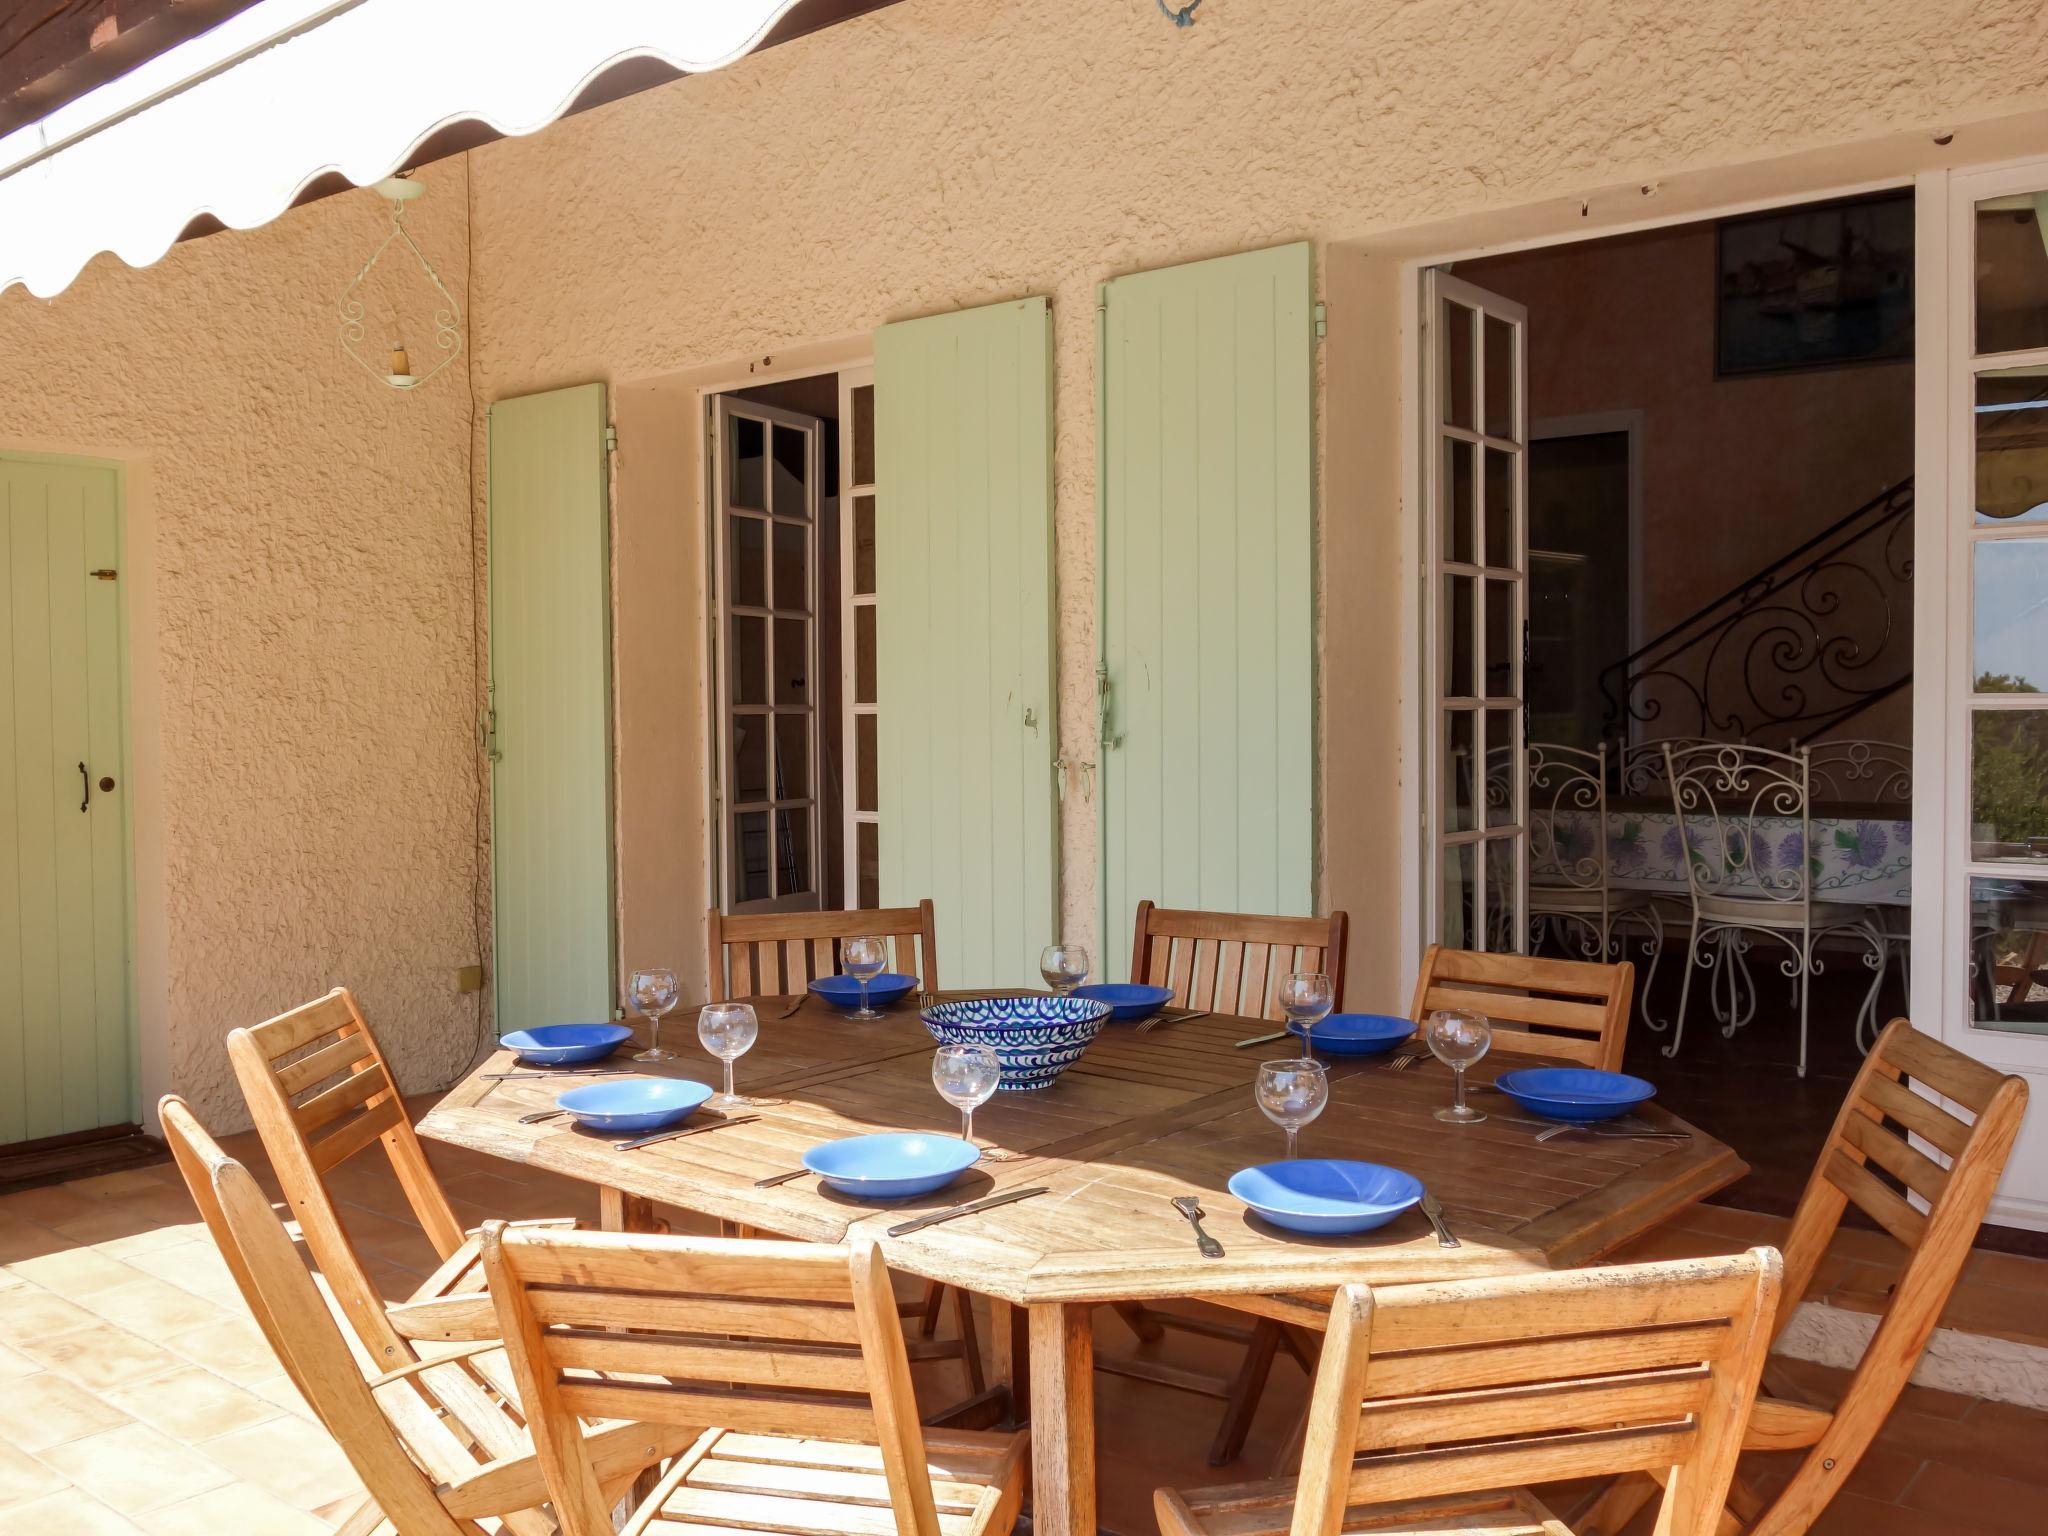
655,992
1064,967
1307,997
1292,1093
1459,1037
966,1076
863,959
728,1031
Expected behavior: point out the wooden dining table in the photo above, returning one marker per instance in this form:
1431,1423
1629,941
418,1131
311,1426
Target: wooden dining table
1142,1117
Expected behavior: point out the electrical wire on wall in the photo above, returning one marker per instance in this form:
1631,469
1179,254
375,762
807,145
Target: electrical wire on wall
478,668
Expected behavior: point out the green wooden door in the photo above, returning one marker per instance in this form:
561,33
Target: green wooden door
963,532
1206,589
551,802
66,1045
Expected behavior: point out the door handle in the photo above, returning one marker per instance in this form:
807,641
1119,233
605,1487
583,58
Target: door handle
84,789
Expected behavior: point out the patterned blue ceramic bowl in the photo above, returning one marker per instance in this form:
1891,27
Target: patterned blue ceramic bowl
1035,1038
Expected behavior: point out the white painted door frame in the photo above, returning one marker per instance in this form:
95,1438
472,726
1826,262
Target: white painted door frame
851,708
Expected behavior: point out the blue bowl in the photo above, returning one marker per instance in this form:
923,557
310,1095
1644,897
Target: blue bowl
1128,1001
1035,1038
634,1104
1326,1196
560,1045
844,991
892,1165
1357,1034
1578,1095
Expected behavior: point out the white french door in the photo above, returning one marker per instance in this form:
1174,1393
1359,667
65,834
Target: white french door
765,494
861,817
1475,486
1986,702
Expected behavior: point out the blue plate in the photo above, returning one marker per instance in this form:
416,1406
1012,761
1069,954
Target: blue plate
1575,1094
560,1045
1358,1034
1321,1195
844,991
1035,1037
892,1165
634,1104
1128,1001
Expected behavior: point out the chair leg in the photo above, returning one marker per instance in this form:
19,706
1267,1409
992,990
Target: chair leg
970,1341
1609,1510
934,1300
1139,1321
1246,1388
1692,958
1805,986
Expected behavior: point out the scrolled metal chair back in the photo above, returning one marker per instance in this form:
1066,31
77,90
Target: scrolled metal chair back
1865,772
1640,766
1567,816
1726,796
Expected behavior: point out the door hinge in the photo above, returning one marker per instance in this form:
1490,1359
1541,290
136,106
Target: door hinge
611,439
104,575
1322,320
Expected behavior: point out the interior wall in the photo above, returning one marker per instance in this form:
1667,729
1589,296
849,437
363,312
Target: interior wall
310,823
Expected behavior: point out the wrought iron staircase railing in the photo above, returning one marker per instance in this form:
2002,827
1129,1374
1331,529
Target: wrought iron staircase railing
1811,640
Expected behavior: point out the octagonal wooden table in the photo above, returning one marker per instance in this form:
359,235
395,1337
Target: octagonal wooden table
1141,1118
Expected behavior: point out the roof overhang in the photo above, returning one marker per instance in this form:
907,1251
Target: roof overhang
287,97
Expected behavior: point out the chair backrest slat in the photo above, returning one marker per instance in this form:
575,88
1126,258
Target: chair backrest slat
763,954
1480,1384
320,1091
1232,961
1573,1009
740,1335
1865,1162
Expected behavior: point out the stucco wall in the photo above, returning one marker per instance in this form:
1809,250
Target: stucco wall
943,153
313,530
312,640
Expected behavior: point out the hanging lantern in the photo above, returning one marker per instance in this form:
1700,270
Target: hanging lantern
393,361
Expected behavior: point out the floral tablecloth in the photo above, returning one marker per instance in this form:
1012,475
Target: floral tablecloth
1853,859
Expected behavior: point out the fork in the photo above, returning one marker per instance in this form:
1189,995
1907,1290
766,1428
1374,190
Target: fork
1158,1019
1404,1061
1191,1208
1647,1133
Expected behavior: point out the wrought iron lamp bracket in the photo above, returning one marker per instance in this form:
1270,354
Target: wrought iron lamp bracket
447,314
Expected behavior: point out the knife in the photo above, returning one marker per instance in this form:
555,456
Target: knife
904,1228
774,1179
537,1077
1281,1034
688,1130
1432,1209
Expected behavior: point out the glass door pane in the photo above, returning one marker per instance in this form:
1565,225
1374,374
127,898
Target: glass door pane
1477,496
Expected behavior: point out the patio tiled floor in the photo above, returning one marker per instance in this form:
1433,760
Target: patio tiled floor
137,1396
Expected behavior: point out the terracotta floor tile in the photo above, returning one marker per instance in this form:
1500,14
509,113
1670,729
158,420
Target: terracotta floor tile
1994,1503
278,1390
39,1411
51,1204
1999,1311
127,1181
151,1217
287,1457
194,1267
22,1477
1851,1515
234,1348
153,1308
192,1404
135,1468
75,1273
30,1312
102,1356
1996,1448
14,1363
26,1239
192,1230
235,1510
70,1513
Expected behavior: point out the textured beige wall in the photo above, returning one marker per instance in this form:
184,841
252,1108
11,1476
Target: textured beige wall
944,153
312,637
312,531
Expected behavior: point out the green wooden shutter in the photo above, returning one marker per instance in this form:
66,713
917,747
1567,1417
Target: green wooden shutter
551,808
1206,589
963,450
66,1043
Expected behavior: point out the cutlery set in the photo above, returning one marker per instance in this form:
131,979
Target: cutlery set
1159,1019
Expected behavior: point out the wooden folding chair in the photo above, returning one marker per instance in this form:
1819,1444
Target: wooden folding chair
320,1092
1571,1009
436,1442
790,1351
1231,962
1436,1405
1575,1010
773,954
1869,1161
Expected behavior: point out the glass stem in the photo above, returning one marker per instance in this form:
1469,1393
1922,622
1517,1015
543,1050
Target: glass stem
1290,1142
967,1125
728,1080
654,1034
863,992
1458,1076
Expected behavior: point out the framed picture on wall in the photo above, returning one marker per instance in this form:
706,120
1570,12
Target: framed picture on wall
1826,285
